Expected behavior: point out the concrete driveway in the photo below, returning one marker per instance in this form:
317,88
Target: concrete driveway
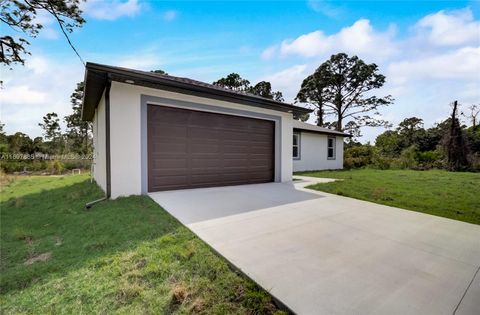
325,254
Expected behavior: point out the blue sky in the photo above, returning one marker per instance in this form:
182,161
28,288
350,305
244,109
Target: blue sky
429,50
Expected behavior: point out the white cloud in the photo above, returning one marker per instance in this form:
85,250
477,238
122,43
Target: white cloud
288,80
22,95
141,61
461,64
170,15
269,52
359,38
43,85
450,28
326,8
110,9
435,63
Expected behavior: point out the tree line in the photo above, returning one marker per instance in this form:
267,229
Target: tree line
449,144
340,91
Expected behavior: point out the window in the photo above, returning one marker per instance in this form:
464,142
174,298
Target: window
331,148
296,146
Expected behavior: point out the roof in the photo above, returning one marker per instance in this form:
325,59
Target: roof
298,125
97,76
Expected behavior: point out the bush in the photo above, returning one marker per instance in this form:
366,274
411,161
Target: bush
408,157
55,167
475,162
382,162
430,159
12,166
81,164
358,156
9,166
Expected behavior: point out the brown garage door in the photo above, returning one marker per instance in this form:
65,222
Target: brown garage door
190,149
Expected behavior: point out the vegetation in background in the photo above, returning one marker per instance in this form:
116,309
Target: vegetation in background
454,144
412,146
235,82
446,194
124,256
79,132
74,146
341,87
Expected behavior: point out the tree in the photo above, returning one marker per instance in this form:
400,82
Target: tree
410,131
78,131
312,92
455,145
38,145
19,143
264,89
235,82
3,136
159,72
473,114
50,126
21,17
389,143
301,117
341,87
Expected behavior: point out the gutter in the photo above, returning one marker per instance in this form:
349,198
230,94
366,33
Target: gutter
108,168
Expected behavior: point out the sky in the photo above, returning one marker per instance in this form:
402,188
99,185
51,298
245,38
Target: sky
429,51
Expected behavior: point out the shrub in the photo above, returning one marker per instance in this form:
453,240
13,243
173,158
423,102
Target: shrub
12,166
358,156
9,166
381,162
55,167
430,159
475,162
408,157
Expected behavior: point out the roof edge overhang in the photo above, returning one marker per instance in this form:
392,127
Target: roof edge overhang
331,133
97,76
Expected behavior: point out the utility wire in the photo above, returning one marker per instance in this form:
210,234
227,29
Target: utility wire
66,35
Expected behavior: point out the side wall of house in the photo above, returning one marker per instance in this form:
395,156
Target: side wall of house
128,134
313,153
99,149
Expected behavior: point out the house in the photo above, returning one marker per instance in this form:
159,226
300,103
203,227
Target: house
316,148
155,132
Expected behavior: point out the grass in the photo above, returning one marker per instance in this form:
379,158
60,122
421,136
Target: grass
446,194
124,256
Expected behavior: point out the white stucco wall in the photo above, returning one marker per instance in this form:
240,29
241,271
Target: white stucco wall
313,153
99,161
126,134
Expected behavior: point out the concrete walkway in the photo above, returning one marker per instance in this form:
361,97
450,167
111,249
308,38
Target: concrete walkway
325,254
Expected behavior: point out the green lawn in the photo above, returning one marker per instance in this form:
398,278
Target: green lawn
447,194
124,256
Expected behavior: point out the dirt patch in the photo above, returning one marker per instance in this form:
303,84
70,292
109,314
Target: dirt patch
41,257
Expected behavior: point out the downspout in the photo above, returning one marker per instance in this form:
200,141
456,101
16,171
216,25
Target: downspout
108,172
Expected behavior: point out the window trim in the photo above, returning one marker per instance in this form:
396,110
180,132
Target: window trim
333,147
298,145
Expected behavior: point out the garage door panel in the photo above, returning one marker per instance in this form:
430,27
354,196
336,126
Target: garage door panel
191,149
160,149
166,163
205,148
163,180
200,133
169,130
